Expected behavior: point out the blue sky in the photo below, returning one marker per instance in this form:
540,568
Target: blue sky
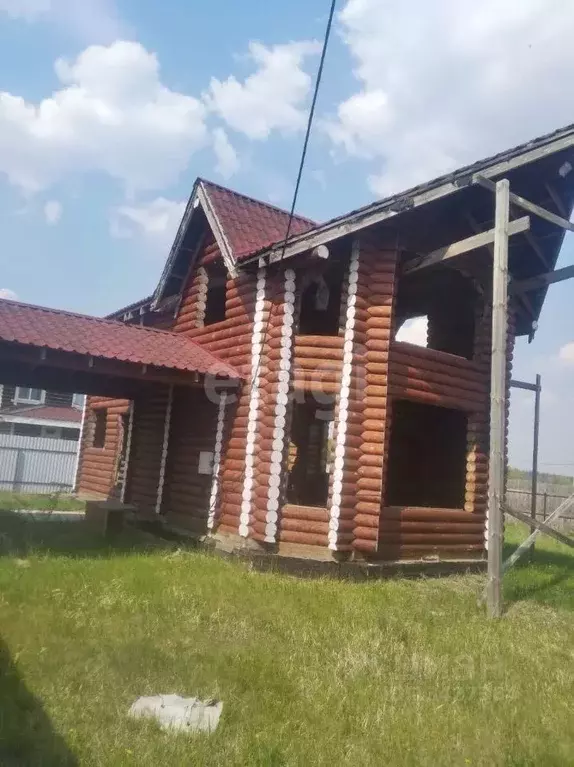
109,109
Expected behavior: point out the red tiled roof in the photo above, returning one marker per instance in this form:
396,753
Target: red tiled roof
250,225
108,339
45,413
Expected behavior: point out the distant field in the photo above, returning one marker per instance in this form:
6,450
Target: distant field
311,672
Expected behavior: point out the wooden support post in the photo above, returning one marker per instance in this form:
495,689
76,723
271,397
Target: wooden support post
498,398
164,449
128,451
534,489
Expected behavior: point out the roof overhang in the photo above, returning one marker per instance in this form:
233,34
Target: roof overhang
397,205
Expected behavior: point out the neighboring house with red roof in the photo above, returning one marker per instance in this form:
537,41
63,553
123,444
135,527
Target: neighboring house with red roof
31,412
261,397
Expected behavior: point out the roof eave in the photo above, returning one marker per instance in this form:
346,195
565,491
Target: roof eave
414,198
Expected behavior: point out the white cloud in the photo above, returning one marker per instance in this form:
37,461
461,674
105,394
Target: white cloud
414,331
53,212
156,222
566,353
273,97
227,159
7,294
112,115
444,83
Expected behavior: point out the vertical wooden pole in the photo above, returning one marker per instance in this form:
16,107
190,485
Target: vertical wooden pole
534,497
498,399
164,449
128,452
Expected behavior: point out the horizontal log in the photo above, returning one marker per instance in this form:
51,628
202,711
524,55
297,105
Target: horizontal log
423,513
401,392
291,511
308,539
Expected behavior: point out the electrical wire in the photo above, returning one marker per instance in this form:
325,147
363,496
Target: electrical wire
299,175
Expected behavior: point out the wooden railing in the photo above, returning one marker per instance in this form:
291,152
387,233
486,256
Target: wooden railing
436,378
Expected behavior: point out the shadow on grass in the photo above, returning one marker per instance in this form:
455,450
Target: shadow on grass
21,535
548,579
27,737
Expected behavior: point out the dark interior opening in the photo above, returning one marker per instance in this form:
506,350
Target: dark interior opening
427,456
309,454
215,303
321,304
449,300
100,419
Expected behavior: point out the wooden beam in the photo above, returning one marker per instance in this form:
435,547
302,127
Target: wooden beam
531,240
527,307
557,200
523,385
542,280
513,558
498,398
541,526
531,207
484,239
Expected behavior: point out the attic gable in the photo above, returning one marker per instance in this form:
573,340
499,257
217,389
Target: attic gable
240,225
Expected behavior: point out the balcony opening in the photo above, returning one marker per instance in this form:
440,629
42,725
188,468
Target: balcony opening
414,331
448,301
310,454
427,456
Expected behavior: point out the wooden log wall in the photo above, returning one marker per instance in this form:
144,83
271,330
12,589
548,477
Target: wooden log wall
274,414
411,533
241,346
478,439
318,363
143,476
186,492
98,466
436,378
376,289
342,491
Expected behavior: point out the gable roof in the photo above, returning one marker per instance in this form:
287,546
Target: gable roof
240,224
248,224
108,339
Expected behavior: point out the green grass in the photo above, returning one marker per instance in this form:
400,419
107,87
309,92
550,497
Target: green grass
311,672
52,502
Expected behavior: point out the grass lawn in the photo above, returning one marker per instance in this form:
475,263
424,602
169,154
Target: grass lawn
311,672
54,502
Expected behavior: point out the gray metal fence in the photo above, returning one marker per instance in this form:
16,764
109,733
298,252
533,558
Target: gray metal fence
548,498
37,464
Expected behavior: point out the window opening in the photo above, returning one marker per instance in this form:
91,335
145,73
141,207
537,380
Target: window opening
427,456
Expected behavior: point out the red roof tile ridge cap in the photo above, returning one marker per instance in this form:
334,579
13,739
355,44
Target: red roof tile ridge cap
258,202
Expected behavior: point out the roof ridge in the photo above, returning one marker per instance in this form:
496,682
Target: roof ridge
92,318
258,202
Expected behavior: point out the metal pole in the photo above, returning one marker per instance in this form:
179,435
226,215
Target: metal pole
534,497
498,398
